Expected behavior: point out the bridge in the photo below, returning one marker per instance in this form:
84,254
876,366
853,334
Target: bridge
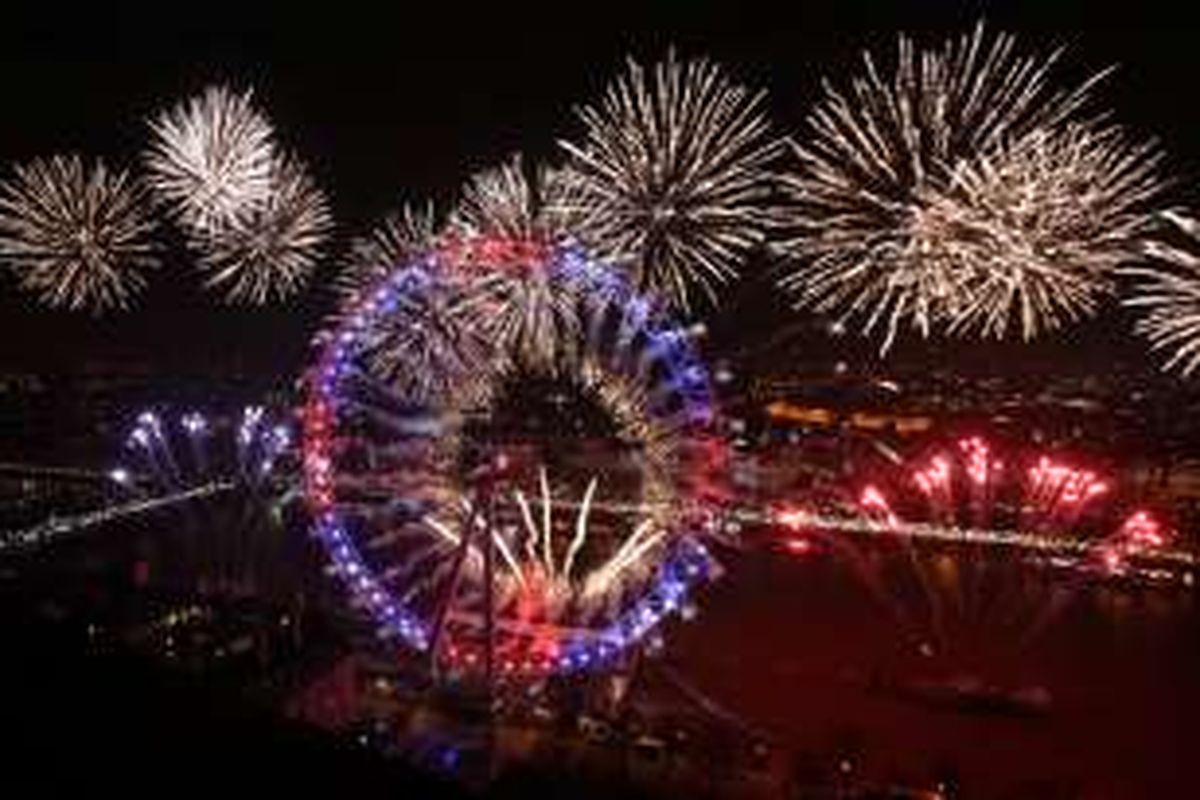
55,528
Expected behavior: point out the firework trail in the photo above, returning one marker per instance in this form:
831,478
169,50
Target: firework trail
673,178
531,317
554,573
77,238
521,310
188,465
1168,295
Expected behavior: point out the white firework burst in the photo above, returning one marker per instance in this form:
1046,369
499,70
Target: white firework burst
270,254
1034,233
876,156
78,238
673,178
1169,296
505,201
529,316
211,159
520,308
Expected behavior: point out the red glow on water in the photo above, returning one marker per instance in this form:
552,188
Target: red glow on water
1113,562
874,502
798,546
1139,535
1141,531
796,521
792,518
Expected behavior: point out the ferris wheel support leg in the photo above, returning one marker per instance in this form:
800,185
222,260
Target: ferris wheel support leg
489,631
443,611
489,606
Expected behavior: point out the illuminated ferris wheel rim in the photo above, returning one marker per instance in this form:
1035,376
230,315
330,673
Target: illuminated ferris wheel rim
685,560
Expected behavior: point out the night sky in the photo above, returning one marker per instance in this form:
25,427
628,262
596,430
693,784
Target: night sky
402,105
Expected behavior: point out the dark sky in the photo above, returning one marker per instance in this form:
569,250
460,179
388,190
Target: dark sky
403,104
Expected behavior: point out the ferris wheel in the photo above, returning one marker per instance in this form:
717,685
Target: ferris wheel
511,458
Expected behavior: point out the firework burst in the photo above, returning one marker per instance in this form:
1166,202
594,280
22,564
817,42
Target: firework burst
243,465
1035,232
401,237
550,573
673,176
529,316
506,201
427,347
992,519
877,155
199,449
1169,296
424,348
270,254
211,159
76,237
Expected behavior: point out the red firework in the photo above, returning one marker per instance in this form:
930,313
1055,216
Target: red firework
977,532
